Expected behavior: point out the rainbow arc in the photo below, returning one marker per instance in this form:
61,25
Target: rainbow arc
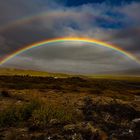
64,39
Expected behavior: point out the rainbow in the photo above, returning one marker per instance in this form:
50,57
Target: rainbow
24,20
75,39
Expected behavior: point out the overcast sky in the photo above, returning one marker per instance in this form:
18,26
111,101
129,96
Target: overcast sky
23,22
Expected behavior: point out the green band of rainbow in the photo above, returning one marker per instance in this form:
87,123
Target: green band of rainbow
56,40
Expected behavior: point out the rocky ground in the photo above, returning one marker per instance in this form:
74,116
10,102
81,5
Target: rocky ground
68,109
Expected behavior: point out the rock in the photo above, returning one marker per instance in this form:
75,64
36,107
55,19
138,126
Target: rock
54,122
55,77
135,126
76,136
86,129
38,137
18,102
69,128
135,122
127,134
57,137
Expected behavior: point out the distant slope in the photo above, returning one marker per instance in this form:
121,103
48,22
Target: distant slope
11,71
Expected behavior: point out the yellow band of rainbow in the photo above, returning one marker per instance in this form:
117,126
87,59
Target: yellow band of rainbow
76,39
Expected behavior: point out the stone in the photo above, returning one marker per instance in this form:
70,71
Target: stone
69,128
86,129
135,127
54,122
57,137
76,136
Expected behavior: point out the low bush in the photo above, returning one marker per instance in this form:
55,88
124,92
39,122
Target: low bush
87,109
15,115
34,114
120,111
40,118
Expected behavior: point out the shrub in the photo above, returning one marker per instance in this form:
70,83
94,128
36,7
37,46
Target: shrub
120,111
41,117
88,109
15,115
13,135
27,109
8,117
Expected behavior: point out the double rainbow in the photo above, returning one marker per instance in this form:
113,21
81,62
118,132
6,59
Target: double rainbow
74,39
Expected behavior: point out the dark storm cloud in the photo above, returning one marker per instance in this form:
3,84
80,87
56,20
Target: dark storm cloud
12,9
128,39
114,24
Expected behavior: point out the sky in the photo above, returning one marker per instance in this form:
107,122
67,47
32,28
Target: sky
23,22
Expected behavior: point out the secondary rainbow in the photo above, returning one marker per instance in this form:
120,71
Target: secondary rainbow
75,39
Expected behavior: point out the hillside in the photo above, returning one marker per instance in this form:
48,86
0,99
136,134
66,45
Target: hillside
23,72
10,71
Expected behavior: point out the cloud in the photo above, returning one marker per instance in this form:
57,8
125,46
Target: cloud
73,58
112,24
131,12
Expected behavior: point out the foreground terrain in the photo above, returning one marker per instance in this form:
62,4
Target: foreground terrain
72,108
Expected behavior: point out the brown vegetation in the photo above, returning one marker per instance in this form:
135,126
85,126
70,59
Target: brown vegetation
40,108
